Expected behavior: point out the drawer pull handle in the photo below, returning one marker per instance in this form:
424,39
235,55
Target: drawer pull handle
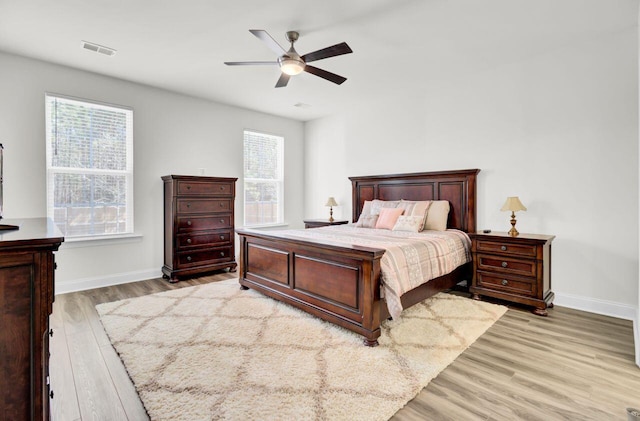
51,394
222,253
188,187
504,282
504,264
189,223
188,240
221,204
222,221
222,237
221,188
503,248
51,332
188,258
188,204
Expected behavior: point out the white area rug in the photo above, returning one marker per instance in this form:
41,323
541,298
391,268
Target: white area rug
216,352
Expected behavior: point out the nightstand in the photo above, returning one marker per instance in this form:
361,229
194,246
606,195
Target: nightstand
516,269
315,223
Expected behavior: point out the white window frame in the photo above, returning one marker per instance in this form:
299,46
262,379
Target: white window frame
128,231
279,180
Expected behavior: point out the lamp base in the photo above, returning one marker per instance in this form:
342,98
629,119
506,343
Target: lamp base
513,231
331,214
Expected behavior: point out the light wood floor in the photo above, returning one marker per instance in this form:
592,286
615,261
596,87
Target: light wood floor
571,365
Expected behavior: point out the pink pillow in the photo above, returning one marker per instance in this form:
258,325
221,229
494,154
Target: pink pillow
388,218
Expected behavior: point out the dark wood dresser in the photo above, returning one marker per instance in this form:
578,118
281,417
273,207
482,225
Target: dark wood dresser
517,269
26,300
198,225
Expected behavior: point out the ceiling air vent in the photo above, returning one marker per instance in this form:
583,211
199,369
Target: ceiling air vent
96,48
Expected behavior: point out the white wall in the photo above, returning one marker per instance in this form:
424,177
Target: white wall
173,134
558,130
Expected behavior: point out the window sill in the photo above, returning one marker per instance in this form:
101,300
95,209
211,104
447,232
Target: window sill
102,240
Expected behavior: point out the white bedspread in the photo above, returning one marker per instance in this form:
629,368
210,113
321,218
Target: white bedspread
411,258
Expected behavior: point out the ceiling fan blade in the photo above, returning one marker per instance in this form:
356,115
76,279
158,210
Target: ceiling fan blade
267,39
282,82
249,63
332,77
334,50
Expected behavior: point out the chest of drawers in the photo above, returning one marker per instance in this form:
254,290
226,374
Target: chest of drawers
26,300
198,225
517,269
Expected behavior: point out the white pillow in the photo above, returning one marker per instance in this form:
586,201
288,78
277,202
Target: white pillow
367,221
415,208
409,223
377,204
437,215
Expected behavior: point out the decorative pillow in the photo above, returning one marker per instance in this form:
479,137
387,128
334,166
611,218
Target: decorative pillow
366,211
377,204
413,208
437,215
367,221
388,218
409,223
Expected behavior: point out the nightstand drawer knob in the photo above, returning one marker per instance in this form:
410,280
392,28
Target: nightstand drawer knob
504,282
188,240
188,258
188,204
222,253
222,237
222,221
189,223
505,264
503,248
221,204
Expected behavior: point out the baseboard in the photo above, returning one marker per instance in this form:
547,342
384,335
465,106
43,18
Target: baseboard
593,305
105,281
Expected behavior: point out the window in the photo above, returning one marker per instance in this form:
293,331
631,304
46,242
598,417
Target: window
89,167
263,179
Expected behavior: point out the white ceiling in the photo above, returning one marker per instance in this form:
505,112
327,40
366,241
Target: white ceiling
400,46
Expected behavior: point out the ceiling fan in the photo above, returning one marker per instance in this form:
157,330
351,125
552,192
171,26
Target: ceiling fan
291,63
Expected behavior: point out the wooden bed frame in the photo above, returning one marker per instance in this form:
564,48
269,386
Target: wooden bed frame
342,284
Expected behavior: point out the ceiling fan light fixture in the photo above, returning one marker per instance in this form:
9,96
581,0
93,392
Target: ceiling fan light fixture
291,65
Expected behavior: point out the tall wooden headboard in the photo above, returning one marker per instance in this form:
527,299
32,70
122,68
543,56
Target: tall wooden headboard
458,187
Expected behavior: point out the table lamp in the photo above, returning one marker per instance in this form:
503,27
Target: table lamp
331,202
513,204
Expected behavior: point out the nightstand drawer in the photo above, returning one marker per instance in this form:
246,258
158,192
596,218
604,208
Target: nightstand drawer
492,263
521,286
506,248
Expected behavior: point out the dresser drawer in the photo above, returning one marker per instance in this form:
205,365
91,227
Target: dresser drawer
514,266
203,205
504,248
205,188
200,223
203,257
515,285
200,239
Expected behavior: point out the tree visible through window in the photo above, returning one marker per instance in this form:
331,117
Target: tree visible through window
263,179
89,167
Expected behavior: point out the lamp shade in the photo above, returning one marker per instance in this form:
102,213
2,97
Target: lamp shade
331,202
513,204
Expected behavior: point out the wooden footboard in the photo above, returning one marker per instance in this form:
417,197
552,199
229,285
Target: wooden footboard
335,283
